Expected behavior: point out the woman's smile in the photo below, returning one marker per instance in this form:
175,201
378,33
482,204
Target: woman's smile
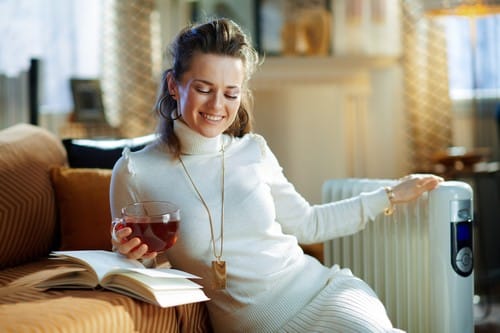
215,118
209,93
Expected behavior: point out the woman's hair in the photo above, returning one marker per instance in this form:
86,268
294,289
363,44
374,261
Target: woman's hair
219,37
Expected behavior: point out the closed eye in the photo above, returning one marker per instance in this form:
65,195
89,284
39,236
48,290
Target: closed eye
231,96
203,91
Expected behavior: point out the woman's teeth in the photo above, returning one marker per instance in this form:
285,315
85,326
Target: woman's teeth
211,117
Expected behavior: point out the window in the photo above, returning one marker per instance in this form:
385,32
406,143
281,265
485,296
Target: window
63,34
473,56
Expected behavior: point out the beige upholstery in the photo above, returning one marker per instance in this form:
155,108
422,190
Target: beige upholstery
29,231
87,310
27,205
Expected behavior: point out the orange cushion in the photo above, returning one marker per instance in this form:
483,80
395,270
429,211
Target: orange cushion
82,198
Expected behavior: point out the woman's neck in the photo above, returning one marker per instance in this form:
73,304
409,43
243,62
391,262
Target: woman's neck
193,143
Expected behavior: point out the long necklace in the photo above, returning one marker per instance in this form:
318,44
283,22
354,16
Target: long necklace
218,265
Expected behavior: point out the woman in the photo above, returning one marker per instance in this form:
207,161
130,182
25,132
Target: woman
237,206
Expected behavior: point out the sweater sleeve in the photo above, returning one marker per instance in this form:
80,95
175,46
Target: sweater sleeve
122,190
318,223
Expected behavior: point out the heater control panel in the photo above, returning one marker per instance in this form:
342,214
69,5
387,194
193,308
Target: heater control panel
461,237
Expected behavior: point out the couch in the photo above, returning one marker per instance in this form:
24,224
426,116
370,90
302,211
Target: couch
46,204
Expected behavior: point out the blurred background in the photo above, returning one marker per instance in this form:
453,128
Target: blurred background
354,88
348,88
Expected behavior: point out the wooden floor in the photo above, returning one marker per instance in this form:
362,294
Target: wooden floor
487,312
488,318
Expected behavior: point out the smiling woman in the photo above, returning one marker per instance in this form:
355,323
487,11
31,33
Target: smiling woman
242,219
208,95
225,88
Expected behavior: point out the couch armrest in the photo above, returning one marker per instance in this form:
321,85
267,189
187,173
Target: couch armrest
27,204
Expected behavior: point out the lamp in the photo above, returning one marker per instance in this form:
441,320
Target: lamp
461,7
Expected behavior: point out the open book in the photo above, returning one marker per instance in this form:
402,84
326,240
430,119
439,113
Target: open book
89,269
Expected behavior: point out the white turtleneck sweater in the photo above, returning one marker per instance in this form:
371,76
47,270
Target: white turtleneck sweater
269,278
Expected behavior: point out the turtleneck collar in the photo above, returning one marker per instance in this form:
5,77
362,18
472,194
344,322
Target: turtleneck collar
193,143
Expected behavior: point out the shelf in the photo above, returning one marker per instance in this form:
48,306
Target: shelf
318,70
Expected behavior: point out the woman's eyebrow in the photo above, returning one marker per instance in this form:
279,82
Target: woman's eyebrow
211,84
203,81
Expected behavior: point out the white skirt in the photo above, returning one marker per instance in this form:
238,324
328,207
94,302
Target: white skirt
346,304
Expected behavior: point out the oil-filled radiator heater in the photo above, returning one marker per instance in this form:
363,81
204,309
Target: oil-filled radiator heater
418,260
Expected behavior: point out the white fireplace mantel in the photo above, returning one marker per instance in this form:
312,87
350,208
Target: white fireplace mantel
345,70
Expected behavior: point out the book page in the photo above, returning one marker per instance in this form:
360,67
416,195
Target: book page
70,276
102,262
173,298
152,282
170,273
163,298
160,286
43,279
160,291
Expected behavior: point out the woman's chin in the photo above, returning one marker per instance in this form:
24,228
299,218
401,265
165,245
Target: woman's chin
211,131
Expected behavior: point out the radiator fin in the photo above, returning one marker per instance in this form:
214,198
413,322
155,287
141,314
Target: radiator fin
391,254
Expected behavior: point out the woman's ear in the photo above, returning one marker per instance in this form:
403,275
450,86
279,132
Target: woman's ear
172,86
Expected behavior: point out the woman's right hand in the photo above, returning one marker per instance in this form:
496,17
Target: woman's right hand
133,248
412,186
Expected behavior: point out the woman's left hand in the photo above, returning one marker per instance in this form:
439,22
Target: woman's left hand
412,186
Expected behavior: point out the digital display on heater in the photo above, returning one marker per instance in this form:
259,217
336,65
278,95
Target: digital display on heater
464,231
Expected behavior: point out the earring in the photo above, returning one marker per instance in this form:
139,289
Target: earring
175,115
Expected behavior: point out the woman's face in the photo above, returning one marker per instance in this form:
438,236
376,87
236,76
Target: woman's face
209,94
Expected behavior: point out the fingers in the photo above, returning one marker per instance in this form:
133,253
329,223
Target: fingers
132,249
412,186
150,255
429,183
132,245
121,235
421,177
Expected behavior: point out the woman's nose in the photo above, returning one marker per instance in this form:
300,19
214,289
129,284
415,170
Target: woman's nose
217,101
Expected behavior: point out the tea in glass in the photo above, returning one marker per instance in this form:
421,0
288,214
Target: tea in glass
155,223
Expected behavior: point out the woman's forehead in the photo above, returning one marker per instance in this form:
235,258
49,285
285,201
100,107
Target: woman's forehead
216,69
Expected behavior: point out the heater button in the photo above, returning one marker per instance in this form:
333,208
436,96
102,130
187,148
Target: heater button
464,259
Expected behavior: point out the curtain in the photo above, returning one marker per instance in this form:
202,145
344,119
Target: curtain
132,59
474,54
427,100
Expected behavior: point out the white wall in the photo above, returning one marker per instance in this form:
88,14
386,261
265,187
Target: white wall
333,127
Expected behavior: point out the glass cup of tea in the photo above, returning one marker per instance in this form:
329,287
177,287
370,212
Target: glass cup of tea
155,223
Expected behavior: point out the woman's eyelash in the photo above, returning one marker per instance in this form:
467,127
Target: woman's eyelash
204,91
207,91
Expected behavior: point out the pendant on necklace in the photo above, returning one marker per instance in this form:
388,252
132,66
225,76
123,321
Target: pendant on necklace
219,274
